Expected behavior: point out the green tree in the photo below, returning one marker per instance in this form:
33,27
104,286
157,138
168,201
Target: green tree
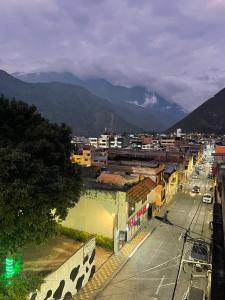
38,184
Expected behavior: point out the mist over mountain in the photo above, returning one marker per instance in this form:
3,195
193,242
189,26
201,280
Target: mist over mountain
207,118
86,113
136,105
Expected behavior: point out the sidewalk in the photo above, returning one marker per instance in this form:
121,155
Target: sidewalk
112,266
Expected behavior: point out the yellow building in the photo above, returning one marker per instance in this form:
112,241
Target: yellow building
111,210
82,157
171,177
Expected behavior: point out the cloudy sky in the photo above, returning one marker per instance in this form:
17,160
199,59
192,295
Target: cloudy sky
176,47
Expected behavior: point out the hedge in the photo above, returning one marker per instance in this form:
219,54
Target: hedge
83,236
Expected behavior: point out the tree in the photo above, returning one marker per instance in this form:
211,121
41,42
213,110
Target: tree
38,184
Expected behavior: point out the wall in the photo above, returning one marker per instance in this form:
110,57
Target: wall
70,277
96,212
171,186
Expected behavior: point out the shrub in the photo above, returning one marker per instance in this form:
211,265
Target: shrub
83,236
19,286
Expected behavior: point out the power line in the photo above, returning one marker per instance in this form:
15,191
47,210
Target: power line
182,251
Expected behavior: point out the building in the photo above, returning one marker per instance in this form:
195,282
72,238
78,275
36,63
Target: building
104,140
114,209
82,157
93,141
116,141
167,142
171,177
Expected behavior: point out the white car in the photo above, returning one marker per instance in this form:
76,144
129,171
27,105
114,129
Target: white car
207,198
195,176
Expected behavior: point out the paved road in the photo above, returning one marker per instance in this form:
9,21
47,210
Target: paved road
151,272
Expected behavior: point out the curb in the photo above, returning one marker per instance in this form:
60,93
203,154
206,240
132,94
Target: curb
120,267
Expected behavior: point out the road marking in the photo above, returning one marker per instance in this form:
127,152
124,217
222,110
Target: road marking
160,284
132,253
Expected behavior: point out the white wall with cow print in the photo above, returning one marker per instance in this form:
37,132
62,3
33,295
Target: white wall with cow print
70,277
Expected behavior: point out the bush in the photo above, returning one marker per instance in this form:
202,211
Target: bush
82,236
19,286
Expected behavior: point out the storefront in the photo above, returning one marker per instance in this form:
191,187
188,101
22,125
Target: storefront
135,221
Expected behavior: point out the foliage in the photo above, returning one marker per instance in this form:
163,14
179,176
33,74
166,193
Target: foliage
83,236
38,184
20,286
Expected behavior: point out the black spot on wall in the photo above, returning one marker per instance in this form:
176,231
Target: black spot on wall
92,257
92,272
74,273
87,269
85,259
49,293
79,283
68,296
58,292
33,297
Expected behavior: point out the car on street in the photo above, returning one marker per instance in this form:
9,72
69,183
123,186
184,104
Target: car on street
199,252
196,189
207,198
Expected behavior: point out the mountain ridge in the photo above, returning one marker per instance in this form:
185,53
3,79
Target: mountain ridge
207,118
131,99
86,113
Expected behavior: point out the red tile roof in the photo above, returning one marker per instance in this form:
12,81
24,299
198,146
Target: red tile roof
140,191
220,150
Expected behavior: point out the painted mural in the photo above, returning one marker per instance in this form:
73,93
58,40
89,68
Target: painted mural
69,278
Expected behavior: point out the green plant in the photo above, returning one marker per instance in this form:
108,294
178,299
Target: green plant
19,286
83,236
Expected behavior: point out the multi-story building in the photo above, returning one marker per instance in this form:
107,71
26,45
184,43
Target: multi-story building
93,141
82,156
116,141
104,140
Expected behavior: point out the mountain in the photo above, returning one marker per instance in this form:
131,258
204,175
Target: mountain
146,109
86,113
207,118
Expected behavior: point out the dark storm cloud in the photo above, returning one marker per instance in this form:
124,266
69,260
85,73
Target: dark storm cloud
175,47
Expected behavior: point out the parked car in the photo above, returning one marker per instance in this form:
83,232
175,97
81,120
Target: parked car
195,189
195,176
207,198
199,252
209,176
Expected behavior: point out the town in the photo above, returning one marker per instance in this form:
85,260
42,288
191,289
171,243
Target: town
163,190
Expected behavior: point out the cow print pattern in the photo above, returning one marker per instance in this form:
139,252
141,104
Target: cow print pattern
49,293
68,296
58,292
79,283
88,268
92,257
92,272
33,297
74,273
85,259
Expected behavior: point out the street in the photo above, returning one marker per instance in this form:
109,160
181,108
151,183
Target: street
151,272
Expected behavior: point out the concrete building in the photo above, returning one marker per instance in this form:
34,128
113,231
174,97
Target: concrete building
113,210
93,141
82,157
171,177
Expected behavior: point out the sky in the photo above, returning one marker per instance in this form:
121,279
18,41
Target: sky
175,47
